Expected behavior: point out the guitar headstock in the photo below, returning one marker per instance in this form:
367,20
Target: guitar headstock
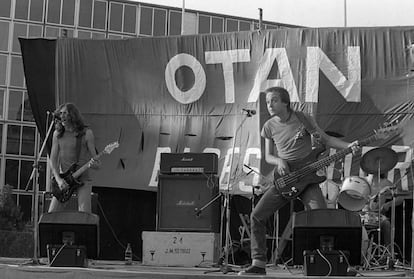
388,130
110,147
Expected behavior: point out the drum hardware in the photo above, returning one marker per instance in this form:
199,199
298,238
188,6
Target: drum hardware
354,194
379,161
388,256
330,190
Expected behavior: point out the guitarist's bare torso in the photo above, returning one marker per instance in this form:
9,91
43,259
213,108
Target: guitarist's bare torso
68,152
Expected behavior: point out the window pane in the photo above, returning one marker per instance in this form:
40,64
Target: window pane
2,91
53,11
85,13
20,30
203,24
217,25
27,112
114,36
130,19
145,26
12,172
190,23
25,172
25,203
99,15
42,176
244,26
232,25
5,6
1,136
3,67
175,23
160,17
28,141
4,35
52,32
15,105
22,9
97,35
84,34
17,75
36,10
115,17
68,13
13,139
269,26
35,30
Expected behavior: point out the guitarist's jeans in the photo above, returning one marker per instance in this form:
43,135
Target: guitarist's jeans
84,200
270,202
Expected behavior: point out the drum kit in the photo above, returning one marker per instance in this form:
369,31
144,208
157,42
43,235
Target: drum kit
355,194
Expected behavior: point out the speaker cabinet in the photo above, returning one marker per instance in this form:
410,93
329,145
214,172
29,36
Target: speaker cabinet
180,203
69,228
327,229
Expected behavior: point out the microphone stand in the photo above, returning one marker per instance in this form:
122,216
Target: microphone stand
35,177
225,268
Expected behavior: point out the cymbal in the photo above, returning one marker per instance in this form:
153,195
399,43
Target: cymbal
380,159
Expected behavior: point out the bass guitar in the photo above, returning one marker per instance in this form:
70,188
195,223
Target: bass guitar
303,173
70,176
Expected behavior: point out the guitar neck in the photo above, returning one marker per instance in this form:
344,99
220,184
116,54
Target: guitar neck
86,166
324,162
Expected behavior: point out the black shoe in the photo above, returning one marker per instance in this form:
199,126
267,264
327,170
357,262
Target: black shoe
253,270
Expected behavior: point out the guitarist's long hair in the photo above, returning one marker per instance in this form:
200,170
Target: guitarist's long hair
74,116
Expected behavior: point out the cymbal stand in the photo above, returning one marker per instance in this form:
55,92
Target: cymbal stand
392,262
379,205
34,177
226,268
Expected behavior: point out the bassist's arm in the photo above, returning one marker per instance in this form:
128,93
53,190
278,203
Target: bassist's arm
270,157
90,142
334,142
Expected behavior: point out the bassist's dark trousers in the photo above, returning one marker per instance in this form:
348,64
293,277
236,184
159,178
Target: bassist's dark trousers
270,202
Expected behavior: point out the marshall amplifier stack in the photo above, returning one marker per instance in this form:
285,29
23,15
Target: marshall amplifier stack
186,184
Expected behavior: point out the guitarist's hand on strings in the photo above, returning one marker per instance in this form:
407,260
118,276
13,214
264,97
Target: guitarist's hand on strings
94,163
61,182
282,167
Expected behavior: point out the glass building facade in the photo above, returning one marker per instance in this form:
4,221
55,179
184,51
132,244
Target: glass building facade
96,19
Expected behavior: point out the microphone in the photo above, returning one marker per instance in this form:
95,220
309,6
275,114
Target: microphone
55,115
249,112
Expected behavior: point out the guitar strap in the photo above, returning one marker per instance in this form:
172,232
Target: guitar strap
308,126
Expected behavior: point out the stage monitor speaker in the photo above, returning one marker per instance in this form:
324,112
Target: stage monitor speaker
69,228
327,230
180,198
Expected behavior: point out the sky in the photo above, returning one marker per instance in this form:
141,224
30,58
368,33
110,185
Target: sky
309,13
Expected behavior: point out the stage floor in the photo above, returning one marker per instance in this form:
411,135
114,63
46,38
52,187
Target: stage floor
11,268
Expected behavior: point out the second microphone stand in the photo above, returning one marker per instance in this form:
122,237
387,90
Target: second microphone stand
225,267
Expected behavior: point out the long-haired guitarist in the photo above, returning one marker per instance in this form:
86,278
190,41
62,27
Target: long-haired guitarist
288,140
73,143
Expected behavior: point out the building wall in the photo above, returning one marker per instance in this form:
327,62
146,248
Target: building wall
95,19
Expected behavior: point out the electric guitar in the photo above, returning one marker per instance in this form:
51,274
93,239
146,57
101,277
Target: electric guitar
303,173
71,175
